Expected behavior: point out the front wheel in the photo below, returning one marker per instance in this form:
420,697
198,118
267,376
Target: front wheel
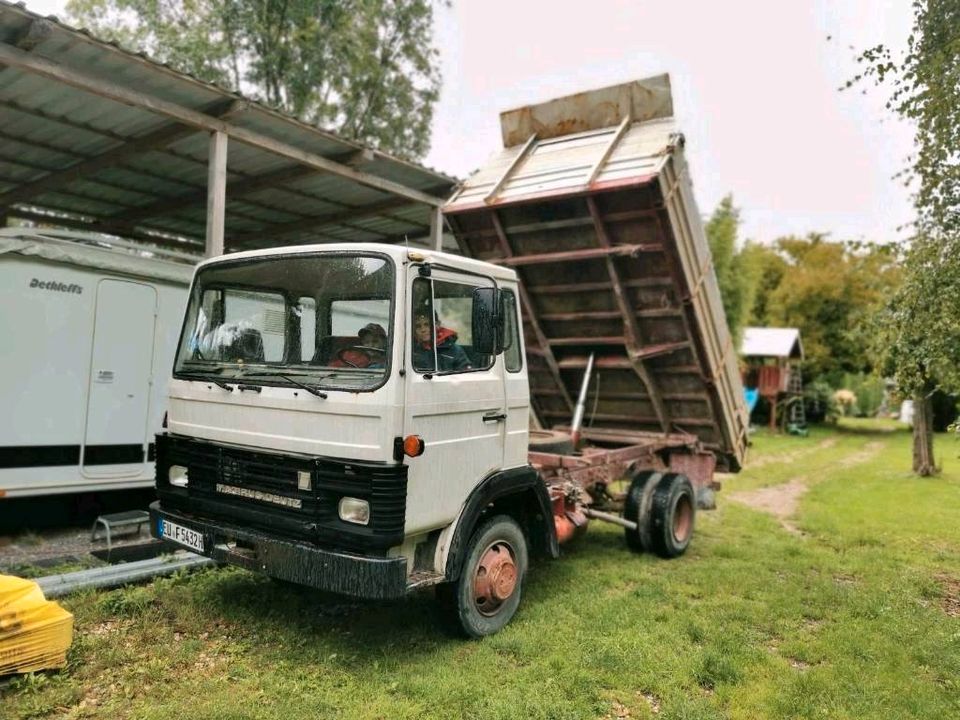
486,595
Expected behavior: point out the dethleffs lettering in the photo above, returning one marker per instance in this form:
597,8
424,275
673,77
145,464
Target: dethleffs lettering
56,286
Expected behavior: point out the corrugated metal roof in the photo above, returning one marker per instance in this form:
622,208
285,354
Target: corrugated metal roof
155,189
771,342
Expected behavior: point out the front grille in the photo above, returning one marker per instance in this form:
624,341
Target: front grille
259,489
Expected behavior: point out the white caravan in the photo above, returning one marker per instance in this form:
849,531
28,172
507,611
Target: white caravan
89,328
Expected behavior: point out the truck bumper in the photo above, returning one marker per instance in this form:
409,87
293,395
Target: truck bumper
354,575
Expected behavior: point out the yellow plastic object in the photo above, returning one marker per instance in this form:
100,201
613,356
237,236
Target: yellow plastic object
34,632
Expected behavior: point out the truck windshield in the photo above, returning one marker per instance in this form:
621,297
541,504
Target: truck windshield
323,319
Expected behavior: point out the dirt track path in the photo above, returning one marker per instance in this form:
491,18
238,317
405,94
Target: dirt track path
782,500
793,456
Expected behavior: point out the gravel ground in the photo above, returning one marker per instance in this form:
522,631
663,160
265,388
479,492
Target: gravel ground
54,530
56,546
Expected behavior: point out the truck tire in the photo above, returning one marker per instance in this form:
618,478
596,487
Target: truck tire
551,441
672,515
637,508
486,596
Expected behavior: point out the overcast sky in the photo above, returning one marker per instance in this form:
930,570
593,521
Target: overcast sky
755,89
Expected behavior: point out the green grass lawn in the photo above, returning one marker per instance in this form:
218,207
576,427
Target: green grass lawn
851,614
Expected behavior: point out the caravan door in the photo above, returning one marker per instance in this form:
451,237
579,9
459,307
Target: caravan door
118,398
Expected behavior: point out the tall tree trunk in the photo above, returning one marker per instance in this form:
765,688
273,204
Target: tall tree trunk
923,435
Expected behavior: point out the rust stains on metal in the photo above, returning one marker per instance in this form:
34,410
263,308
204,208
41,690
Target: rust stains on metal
639,100
698,467
530,318
606,239
634,341
495,579
569,518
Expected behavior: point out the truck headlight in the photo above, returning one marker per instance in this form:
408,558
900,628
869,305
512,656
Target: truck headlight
354,510
177,475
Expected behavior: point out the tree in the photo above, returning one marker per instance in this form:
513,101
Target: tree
830,291
918,332
767,267
918,335
367,68
735,276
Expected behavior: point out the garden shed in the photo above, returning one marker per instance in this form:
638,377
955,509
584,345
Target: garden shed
771,360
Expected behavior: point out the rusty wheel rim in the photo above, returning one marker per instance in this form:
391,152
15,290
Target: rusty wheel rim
682,519
495,578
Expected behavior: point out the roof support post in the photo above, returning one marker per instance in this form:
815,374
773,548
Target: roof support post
436,229
216,192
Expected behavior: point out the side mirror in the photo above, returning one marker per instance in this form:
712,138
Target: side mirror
487,321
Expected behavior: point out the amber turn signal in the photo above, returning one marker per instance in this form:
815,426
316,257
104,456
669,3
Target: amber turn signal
413,446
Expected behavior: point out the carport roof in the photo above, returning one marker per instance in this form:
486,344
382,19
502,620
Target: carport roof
97,138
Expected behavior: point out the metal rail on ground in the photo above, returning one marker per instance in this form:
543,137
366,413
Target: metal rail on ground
112,576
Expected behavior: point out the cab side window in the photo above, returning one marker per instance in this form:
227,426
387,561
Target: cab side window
442,329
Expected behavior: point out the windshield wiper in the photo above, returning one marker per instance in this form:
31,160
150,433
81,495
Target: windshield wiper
289,379
205,378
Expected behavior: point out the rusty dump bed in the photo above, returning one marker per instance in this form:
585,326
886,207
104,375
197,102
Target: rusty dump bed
602,227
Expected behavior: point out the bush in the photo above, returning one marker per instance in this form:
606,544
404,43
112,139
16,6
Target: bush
944,410
818,402
869,391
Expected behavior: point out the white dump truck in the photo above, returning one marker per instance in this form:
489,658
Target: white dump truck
357,417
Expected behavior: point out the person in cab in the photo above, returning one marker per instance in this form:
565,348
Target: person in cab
370,352
450,356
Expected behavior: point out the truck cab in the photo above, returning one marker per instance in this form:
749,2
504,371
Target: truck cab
345,416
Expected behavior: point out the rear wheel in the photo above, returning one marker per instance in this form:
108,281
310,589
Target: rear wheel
672,515
637,509
486,596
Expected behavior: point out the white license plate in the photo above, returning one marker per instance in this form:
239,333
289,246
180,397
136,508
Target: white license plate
181,535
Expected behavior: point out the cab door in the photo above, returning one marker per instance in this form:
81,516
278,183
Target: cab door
455,398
